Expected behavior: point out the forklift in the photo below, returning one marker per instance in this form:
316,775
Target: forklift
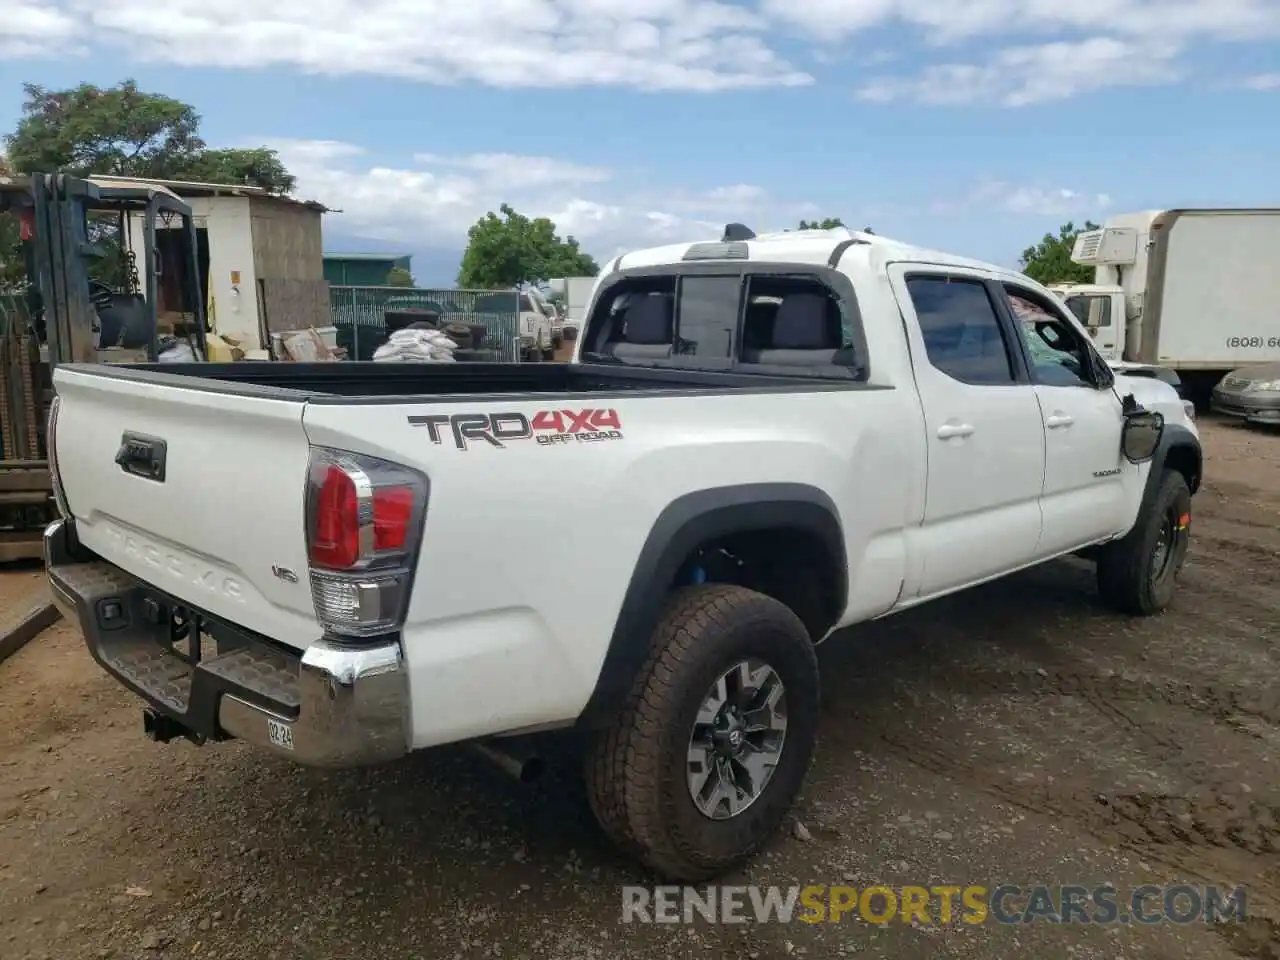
86,299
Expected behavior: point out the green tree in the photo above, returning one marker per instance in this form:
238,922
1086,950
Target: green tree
12,269
254,167
1049,261
826,223
399,277
121,131
125,131
509,249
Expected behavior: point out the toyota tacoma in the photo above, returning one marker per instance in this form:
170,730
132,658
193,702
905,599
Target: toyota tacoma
770,438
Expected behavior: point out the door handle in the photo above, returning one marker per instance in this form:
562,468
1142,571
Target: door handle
1059,420
142,456
949,431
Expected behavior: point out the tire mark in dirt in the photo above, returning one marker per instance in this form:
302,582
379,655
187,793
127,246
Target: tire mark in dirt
1218,820
1257,938
1223,494
1244,572
1220,703
1181,832
1165,747
1228,546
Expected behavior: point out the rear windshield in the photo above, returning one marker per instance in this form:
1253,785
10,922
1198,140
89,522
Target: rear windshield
792,323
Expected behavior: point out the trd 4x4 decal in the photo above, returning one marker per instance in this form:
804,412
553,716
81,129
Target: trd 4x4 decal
546,427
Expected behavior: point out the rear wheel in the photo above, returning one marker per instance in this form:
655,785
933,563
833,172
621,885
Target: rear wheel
1138,574
714,741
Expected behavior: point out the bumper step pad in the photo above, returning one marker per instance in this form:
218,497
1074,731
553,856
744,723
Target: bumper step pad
126,626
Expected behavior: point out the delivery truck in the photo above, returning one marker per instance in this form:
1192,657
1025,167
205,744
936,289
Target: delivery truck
1193,291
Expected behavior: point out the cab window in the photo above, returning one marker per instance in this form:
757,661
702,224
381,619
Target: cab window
1092,310
1059,355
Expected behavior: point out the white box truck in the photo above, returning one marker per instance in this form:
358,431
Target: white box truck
1193,291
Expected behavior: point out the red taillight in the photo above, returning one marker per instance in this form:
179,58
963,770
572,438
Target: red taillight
335,544
336,541
364,524
392,514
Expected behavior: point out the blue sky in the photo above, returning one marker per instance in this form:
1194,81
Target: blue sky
973,127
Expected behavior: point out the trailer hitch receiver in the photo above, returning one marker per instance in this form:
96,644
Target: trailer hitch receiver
162,729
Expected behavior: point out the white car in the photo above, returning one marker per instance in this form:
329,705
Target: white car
771,438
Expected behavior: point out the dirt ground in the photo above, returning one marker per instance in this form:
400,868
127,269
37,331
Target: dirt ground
1013,734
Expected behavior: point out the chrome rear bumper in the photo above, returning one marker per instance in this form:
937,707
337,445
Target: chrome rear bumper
332,706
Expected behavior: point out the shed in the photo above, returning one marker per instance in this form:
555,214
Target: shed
260,255
363,269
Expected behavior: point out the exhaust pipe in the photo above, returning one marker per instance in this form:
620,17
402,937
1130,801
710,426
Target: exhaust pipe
523,766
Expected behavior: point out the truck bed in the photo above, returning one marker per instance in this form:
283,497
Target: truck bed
192,477
367,381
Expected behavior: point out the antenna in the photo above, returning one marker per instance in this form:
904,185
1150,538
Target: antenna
737,233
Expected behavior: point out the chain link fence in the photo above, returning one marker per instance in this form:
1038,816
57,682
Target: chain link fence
359,313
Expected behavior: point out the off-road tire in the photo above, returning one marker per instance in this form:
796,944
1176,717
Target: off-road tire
1128,578
636,768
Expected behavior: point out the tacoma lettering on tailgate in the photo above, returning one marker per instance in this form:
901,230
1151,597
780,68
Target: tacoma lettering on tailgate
175,567
546,427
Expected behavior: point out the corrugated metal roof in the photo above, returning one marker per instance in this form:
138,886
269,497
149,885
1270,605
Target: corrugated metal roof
194,188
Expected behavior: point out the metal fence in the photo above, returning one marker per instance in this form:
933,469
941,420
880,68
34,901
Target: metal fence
21,386
359,314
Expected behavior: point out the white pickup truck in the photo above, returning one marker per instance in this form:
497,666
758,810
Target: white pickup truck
771,438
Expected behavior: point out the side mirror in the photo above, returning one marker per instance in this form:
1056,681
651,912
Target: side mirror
1141,435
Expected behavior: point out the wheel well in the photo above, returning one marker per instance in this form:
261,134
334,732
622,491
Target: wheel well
795,566
1185,460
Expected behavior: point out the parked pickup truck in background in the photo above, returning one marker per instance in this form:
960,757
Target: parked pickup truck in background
771,438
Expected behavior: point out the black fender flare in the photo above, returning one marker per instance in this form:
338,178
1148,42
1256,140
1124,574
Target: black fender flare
686,522
1180,449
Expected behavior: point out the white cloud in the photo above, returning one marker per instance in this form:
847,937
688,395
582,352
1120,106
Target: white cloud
515,171
1262,81
1019,76
1080,45
646,44
1048,201
945,22
656,44
31,28
1035,200
431,201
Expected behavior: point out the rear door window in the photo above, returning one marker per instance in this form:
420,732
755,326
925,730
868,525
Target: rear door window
961,330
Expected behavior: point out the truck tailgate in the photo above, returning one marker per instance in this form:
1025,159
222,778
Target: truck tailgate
222,526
